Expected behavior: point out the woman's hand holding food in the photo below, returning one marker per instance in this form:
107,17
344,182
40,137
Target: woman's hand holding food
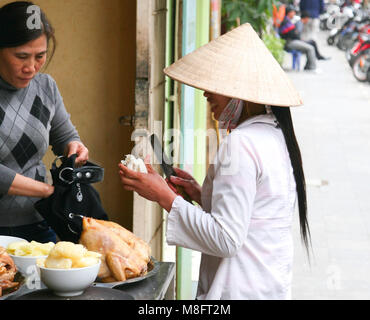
149,185
188,183
77,147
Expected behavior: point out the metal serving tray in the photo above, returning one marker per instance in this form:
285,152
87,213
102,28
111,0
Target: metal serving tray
153,267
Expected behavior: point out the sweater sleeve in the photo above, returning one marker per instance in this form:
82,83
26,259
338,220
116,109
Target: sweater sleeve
6,179
223,231
62,130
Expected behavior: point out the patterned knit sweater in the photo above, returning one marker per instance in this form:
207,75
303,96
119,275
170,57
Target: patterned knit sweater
31,119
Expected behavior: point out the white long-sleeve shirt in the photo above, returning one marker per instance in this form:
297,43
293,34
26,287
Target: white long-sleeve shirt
244,227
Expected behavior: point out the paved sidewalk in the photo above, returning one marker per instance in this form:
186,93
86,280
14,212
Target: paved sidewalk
333,129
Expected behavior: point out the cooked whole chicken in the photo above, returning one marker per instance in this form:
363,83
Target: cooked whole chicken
8,271
124,256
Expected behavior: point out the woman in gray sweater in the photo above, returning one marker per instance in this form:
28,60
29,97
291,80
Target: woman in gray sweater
32,117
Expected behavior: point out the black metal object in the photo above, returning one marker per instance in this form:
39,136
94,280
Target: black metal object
164,161
161,156
91,293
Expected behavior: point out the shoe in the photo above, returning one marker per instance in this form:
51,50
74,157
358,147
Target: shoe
316,71
323,58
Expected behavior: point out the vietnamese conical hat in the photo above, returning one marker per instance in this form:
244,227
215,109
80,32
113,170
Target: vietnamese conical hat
237,65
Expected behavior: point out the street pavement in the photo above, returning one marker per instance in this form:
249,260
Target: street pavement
333,130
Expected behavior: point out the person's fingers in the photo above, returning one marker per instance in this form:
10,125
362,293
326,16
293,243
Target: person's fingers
150,168
179,181
126,181
172,187
147,159
128,188
182,174
128,173
82,156
76,147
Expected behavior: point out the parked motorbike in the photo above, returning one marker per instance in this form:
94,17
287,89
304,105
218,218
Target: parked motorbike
360,46
343,22
361,66
331,10
338,19
350,31
336,33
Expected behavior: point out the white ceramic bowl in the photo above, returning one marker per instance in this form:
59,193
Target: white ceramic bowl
6,240
26,265
69,282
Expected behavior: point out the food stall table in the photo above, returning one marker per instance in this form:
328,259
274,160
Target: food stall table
159,286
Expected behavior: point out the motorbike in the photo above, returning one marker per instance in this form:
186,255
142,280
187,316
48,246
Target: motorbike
339,18
350,31
336,34
361,66
331,10
360,46
344,21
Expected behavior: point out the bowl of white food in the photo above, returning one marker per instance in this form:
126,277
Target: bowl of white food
69,282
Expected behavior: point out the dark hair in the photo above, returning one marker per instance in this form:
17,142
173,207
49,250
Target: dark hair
305,14
14,28
284,118
290,8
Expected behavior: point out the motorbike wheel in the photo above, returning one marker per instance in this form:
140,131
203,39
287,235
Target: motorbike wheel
345,42
330,41
348,54
361,66
352,59
340,44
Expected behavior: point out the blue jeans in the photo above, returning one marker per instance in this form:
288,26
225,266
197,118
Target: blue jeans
39,232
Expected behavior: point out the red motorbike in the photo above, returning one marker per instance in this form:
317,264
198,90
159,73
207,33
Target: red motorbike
360,46
361,66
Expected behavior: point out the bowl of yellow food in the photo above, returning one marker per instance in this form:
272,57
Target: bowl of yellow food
6,240
25,254
69,269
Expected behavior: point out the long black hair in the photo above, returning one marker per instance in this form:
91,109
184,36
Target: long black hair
15,30
284,118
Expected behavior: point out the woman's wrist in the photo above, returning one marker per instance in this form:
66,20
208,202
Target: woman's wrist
167,200
48,190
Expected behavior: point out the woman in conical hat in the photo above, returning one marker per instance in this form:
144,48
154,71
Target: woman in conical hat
243,222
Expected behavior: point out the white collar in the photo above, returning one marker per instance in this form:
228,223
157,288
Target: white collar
268,118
